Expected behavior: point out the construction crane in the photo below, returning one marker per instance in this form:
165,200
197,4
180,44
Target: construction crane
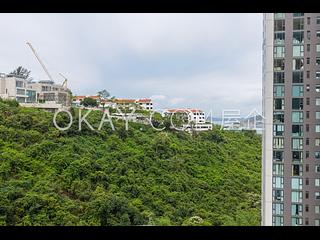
65,82
39,60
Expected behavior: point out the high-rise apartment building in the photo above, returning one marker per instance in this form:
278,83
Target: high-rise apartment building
291,109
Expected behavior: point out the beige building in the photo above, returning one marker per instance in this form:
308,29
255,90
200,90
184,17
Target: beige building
17,88
48,91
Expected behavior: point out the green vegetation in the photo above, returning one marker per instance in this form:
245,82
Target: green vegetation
89,102
135,177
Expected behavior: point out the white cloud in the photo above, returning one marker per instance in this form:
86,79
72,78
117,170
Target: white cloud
84,47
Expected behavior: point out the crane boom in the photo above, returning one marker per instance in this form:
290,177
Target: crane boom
39,60
65,82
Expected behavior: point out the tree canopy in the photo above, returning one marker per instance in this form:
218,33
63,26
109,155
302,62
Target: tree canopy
135,177
21,72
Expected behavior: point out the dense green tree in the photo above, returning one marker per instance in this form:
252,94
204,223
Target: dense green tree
136,177
89,102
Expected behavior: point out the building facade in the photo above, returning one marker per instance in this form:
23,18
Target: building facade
48,91
16,88
195,117
291,111
29,94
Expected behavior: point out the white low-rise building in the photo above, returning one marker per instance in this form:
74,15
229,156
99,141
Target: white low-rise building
196,119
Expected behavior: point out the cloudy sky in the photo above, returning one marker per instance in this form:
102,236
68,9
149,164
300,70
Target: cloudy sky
207,61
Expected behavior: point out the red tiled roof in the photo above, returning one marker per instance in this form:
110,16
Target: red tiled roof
144,100
78,97
123,100
94,97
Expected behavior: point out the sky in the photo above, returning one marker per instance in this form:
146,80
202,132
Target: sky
211,62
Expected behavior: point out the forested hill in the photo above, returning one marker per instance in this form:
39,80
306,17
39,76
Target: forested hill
135,177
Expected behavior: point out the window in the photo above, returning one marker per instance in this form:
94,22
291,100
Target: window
278,169
297,117
278,77
298,37
317,209
318,168
308,20
317,155
308,47
278,117
279,38
317,182
317,88
297,91
297,103
297,130
318,61
296,183
308,87
317,195
318,128
278,51
297,143
317,115
297,24
279,25
278,142
277,195
279,16
317,75
318,47
297,51
295,221
308,74
278,156
297,156
21,92
307,154
307,181
277,182
296,196
19,84
296,210
308,60
278,91
317,142
297,64
298,14
277,208
318,34
308,35
278,130
318,20
297,170
278,104
307,114
278,64
316,222
308,101
277,221
317,101
297,77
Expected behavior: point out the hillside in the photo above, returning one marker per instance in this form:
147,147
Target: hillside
135,177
